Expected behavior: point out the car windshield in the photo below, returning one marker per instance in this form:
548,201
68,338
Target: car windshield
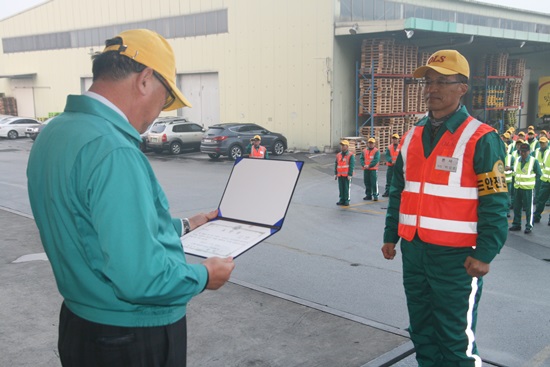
158,128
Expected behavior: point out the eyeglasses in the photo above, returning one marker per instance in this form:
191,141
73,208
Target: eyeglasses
170,98
438,83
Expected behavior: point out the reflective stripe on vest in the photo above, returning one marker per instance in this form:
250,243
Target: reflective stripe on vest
257,153
369,156
441,206
509,173
394,153
342,166
525,178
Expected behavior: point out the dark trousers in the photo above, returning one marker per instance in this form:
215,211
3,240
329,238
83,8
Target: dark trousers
442,301
370,179
542,197
344,189
523,199
84,343
389,176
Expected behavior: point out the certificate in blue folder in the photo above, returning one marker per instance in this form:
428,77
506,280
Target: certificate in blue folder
253,207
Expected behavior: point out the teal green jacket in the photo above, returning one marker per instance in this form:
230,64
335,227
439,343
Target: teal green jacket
104,221
492,226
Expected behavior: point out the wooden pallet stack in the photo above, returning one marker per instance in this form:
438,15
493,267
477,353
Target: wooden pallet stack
383,92
377,56
513,92
399,58
8,106
398,85
423,58
516,67
411,59
382,134
494,64
397,126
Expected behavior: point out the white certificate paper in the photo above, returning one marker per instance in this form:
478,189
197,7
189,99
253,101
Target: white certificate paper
252,208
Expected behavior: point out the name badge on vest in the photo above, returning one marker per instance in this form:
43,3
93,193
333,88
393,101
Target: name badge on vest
449,164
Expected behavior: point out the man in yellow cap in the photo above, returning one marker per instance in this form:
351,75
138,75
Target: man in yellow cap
447,204
532,140
255,150
343,172
542,186
370,160
391,157
543,133
103,217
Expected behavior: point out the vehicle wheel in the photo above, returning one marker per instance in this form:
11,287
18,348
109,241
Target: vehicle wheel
12,134
235,152
278,148
175,148
214,155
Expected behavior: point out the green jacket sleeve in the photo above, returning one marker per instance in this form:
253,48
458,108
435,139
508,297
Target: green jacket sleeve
388,155
362,158
492,225
392,214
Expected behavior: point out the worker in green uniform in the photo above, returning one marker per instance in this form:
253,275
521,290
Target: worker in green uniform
447,204
370,160
391,156
343,172
544,190
526,170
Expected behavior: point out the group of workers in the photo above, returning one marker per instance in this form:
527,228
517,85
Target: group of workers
527,169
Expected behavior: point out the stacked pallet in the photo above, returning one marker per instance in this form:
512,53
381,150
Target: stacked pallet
423,58
399,59
382,134
516,67
356,144
411,59
377,56
8,106
494,64
381,95
398,85
513,92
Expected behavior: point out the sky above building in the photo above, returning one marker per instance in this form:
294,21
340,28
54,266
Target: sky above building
11,7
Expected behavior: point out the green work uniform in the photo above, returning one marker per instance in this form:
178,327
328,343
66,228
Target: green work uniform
544,190
370,176
524,187
442,298
344,181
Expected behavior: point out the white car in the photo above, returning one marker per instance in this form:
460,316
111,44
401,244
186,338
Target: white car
14,127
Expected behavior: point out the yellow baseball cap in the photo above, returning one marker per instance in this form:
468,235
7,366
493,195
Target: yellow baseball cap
543,132
521,133
531,132
506,135
446,62
512,129
543,139
344,142
531,127
152,50
395,136
371,140
257,137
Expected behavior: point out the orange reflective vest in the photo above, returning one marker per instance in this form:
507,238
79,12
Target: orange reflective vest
440,200
257,153
342,164
394,152
369,156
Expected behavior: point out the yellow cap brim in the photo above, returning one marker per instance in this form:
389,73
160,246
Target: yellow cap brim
421,71
180,101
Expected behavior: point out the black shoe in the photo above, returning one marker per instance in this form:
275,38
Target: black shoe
339,203
549,223
346,203
527,231
508,215
536,220
515,228
375,199
385,195
367,198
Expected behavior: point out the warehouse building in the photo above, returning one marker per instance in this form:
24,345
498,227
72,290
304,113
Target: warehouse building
315,70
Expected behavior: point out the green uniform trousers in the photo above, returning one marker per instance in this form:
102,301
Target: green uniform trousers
442,300
389,176
344,188
370,178
523,199
542,198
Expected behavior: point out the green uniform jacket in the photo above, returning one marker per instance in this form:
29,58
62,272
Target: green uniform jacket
375,160
492,226
351,164
104,221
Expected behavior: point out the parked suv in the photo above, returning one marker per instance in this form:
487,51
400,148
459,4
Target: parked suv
231,140
174,136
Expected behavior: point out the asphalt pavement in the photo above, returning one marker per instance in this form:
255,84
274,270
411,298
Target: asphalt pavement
316,294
